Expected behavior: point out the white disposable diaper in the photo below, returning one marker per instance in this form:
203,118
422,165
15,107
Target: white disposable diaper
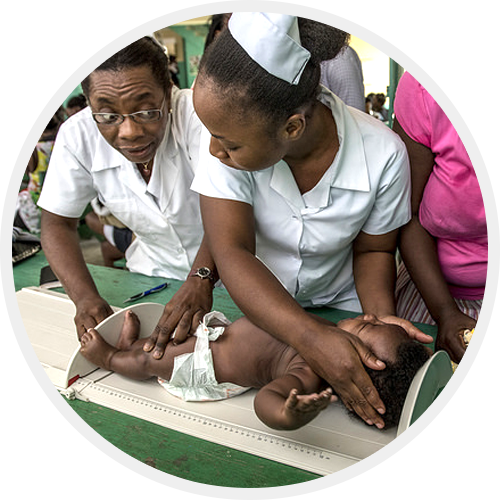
193,375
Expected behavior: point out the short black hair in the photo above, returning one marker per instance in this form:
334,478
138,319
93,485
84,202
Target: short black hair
394,381
234,74
143,52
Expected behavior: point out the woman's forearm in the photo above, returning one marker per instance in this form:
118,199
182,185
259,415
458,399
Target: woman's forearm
374,269
418,250
375,277
417,246
204,259
60,243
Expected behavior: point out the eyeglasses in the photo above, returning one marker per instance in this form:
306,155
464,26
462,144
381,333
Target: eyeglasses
147,116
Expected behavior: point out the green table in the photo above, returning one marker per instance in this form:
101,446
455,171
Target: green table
164,449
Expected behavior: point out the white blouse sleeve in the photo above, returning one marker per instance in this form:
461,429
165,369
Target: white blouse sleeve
392,208
68,186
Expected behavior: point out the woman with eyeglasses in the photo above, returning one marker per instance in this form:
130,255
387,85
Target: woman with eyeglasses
135,147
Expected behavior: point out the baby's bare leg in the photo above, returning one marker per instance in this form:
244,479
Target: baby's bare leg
127,358
131,361
130,331
98,351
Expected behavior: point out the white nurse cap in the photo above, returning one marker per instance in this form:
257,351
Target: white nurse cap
272,41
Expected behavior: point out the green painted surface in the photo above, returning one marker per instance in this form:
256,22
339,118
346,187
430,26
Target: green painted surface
184,456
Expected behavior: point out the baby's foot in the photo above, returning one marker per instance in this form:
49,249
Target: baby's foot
302,408
130,331
96,349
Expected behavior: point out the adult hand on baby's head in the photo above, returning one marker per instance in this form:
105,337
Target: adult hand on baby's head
352,325
355,324
412,331
338,357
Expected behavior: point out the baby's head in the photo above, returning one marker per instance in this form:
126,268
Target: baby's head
403,358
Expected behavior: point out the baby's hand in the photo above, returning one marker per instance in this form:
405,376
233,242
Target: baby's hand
305,403
302,408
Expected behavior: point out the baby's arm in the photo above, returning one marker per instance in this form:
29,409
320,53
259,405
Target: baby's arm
293,400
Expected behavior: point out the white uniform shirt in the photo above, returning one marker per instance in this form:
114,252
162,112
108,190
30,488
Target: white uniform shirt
306,240
164,215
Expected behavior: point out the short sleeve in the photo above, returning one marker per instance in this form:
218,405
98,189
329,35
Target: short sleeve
392,207
68,186
411,110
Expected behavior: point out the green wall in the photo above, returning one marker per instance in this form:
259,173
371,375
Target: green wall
194,41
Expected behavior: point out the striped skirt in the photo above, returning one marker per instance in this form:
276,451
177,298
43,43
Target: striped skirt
411,306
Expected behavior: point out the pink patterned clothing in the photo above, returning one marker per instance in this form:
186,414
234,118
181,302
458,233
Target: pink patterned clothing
452,208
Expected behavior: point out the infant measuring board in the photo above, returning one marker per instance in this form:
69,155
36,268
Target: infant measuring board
331,442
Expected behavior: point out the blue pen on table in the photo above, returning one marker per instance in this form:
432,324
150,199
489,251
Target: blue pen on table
147,292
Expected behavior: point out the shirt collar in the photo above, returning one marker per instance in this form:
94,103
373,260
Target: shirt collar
348,170
165,170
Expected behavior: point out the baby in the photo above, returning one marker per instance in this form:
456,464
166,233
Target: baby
242,356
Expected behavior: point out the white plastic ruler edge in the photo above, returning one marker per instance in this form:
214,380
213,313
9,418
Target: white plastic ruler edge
266,445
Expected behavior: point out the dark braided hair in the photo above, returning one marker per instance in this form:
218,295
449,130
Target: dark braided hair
144,52
233,73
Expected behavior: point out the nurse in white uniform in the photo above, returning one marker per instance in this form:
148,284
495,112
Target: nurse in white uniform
302,196
135,147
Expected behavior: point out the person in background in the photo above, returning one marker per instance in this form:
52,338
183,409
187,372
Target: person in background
117,237
233,357
295,214
445,245
376,108
173,67
75,104
28,215
135,147
343,75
